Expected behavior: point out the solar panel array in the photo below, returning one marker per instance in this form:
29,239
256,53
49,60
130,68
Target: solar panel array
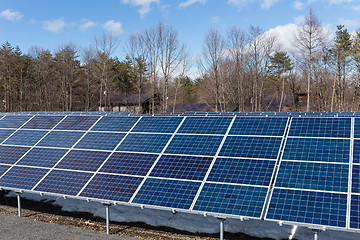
289,169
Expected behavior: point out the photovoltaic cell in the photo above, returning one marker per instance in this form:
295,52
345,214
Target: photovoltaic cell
242,171
231,199
22,177
100,141
167,193
42,122
25,137
355,186
356,127
83,160
323,150
251,147
63,182
356,154
153,143
77,123
182,167
3,168
194,145
321,127
308,207
10,154
355,212
258,126
316,176
112,187
205,125
129,163
4,133
12,121
42,157
117,124
63,139
158,124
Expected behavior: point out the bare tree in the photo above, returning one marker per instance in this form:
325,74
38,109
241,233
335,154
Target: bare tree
309,38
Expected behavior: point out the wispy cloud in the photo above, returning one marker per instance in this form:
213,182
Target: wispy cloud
336,2
55,25
113,27
265,4
191,2
87,24
145,5
348,23
298,5
11,15
299,20
356,8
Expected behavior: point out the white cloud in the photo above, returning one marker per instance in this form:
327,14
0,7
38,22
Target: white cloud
215,19
265,4
349,23
113,27
191,2
298,5
11,15
55,25
285,35
299,20
339,1
356,8
88,24
143,4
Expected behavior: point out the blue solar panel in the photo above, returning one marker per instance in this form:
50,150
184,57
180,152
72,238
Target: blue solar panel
129,163
321,127
208,125
316,176
42,122
118,124
258,126
10,154
324,150
42,157
22,177
111,187
194,145
356,154
182,167
100,141
77,123
355,212
3,169
11,121
167,193
62,139
4,133
251,147
153,143
242,171
83,160
231,199
158,124
63,182
355,186
25,137
308,207
356,128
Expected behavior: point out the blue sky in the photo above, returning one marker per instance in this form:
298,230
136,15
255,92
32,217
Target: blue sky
51,24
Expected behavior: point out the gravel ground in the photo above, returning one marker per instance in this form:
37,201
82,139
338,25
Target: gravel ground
38,216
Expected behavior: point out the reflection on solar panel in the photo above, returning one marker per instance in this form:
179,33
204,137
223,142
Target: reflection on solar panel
298,168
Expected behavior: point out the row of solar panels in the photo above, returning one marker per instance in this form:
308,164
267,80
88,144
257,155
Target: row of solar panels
298,170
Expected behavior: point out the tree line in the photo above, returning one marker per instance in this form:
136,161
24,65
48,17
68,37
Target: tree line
247,69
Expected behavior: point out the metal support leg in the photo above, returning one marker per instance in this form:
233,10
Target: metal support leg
316,235
222,220
107,215
19,203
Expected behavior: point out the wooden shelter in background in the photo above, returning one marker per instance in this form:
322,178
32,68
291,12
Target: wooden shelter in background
130,103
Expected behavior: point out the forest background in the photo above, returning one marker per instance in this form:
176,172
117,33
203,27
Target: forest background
248,69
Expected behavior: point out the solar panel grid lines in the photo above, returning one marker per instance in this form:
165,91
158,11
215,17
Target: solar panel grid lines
212,163
350,174
53,167
15,131
153,166
110,155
